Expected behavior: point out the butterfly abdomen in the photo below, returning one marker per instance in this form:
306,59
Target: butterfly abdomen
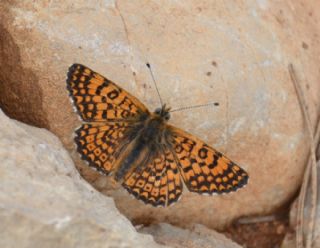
129,160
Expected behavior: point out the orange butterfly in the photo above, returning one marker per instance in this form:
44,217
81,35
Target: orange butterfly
148,156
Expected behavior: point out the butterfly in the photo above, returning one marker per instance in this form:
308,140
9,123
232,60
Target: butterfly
149,157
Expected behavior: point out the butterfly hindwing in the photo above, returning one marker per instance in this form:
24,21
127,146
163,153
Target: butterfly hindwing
99,99
203,169
157,182
101,143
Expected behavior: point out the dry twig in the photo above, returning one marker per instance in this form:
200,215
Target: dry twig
311,168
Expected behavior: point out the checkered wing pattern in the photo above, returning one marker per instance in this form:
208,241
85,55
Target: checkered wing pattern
203,169
99,99
157,182
101,143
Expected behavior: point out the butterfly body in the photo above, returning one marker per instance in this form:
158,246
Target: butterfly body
149,137
149,157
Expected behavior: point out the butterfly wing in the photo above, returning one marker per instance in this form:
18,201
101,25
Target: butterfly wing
203,169
157,180
101,144
115,117
99,99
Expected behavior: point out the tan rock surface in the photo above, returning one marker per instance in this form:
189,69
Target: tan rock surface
290,238
201,51
45,203
199,236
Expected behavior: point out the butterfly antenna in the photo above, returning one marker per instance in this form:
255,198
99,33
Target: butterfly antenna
154,81
195,106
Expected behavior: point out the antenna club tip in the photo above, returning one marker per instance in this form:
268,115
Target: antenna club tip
216,104
148,65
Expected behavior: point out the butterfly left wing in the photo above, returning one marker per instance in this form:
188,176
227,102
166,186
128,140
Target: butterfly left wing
97,98
157,181
204,169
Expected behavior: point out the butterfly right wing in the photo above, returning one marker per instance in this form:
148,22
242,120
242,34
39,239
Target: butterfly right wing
112,115
101,144
98,99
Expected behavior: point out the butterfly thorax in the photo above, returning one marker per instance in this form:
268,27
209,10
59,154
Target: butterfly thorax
155,125
153,130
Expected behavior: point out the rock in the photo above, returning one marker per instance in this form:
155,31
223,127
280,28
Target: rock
199,236
289,241
200,52
290,238
45,203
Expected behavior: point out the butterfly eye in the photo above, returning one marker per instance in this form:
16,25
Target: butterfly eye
167,117
158,111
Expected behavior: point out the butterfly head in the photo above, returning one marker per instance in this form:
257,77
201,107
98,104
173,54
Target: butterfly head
163,112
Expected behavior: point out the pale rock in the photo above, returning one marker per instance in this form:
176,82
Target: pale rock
198,236
200,51
45,203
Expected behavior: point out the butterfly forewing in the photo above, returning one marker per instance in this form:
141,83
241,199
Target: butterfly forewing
203,169
99,99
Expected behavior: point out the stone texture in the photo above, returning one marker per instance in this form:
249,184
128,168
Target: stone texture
200,51
45,203
290,238
198,236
